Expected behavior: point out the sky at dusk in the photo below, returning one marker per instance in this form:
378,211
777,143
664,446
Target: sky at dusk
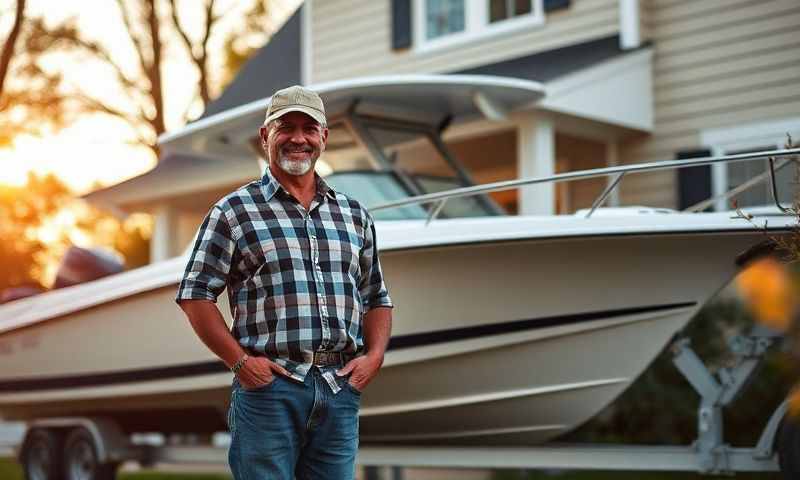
97,149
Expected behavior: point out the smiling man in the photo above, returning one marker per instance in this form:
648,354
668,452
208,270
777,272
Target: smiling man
311,312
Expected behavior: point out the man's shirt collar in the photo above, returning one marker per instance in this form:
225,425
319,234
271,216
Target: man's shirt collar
272,185
323,188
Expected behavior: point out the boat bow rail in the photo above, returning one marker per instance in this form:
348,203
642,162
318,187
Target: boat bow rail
440,198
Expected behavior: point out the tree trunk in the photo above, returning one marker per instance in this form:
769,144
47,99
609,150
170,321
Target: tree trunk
154,69
8,46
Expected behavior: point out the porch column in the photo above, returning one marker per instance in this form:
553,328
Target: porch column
719,180
536,158
165,222
629,24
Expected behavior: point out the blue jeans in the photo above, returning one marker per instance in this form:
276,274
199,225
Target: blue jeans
288,430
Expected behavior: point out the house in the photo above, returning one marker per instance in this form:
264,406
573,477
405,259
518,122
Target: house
624,81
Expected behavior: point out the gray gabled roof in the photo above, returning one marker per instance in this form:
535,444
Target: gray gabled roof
274,66
551,64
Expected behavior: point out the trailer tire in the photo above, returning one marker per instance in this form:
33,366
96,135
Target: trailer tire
788,446
41,455
81,461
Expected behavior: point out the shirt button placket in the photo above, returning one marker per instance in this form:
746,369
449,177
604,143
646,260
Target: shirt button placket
319,282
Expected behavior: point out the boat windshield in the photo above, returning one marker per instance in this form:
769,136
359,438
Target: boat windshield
377,161
376,188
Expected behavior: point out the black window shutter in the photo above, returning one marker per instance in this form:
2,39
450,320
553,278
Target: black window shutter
694,183
550,5
401,24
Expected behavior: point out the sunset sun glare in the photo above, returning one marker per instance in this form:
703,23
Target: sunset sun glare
83,156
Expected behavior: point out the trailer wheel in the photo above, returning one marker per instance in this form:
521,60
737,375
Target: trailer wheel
788,443
81,461
41,455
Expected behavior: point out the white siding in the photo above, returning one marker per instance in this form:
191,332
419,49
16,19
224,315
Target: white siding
353,38
646,19
717,63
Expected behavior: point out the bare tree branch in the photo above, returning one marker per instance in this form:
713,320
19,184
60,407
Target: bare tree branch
137,42
198,53
101,53
35,97
95,105
151,92
202,62
173,10
224,14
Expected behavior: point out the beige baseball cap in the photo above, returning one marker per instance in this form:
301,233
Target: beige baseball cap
296,99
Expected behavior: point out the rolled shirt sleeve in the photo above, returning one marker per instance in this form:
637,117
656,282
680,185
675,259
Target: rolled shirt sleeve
372,287
209,264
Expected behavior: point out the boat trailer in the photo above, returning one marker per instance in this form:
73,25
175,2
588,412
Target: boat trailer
99,446
708,454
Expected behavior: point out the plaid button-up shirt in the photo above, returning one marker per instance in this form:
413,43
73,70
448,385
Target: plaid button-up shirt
298,281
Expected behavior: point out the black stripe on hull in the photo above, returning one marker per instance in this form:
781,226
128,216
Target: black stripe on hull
430,338
397,343
112,378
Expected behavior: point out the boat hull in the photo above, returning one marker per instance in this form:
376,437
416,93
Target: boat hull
494,343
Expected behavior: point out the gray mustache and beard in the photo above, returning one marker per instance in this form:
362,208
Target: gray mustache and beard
296,167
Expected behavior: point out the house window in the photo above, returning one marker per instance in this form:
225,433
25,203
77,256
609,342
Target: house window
761,194
444,17
503,9
440,23
747,138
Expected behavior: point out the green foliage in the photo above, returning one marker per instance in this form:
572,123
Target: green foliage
660,407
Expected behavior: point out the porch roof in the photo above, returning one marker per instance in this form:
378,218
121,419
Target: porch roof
175,175
552,64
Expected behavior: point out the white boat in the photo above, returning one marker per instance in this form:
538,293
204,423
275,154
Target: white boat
509,330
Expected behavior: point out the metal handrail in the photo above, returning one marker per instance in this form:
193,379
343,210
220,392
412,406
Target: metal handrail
743,187
584,174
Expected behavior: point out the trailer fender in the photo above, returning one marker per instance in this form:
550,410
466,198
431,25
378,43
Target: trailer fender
765,447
